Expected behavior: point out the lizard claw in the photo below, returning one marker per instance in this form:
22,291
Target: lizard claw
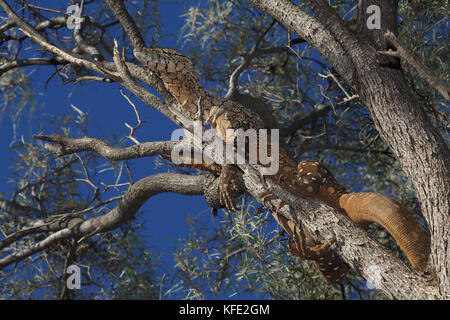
299,248
329,264
225,196
226,181
266,196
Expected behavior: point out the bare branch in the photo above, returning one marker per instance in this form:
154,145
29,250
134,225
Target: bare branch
72,145
246,62
17,211
28,62
44,9
91,78
253,53
320,110
47,242
330,75
139,121
426,73
55,223
130,28
134,198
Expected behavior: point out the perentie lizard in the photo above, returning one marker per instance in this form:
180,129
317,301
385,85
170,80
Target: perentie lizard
307,179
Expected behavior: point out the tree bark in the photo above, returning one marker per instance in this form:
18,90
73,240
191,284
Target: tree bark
402,123
375,263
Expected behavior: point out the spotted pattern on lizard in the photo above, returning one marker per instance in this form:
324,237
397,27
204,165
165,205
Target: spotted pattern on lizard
308,179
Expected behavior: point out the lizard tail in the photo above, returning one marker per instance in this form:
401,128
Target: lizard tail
366,208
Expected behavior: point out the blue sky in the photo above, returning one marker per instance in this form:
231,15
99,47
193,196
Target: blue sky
165,214
108,111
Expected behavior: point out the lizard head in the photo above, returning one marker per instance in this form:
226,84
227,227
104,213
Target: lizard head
164,60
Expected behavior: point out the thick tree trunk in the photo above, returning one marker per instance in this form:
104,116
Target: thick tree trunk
402,123
378,265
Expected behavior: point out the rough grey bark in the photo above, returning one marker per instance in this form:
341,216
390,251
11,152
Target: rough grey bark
378,265
388,21
402,123
404,126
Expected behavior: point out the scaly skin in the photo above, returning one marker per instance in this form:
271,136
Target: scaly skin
308,179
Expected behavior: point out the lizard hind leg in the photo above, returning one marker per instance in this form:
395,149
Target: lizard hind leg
267,196
313,179
225,186
329,264
310,177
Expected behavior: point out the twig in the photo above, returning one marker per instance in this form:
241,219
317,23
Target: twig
45,9
132,129
90,78
332,76
246,62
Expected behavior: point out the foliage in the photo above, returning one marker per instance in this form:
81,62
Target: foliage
292,81
116,265
243,253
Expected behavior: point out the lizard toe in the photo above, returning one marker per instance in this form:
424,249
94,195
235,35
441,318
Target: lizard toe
226,198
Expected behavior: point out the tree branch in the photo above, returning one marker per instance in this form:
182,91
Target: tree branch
133,199
245,62
319,111
401,122
69,145
28,62
354,245
426,73
130,28
17,211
